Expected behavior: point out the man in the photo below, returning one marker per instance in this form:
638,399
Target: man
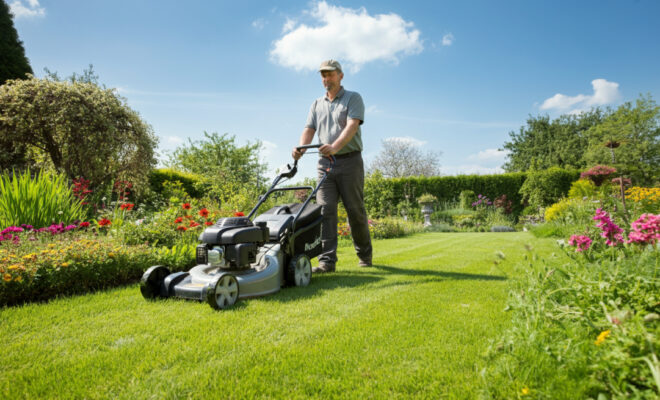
337,117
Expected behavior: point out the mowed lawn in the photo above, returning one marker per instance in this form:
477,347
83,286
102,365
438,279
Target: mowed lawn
415,325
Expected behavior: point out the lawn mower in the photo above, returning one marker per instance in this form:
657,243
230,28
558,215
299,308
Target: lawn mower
241,257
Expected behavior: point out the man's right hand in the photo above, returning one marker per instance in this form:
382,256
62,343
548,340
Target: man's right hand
297,153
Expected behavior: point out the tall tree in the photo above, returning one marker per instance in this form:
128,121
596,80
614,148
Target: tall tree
399,158
635,129
543,143
76,128
13,63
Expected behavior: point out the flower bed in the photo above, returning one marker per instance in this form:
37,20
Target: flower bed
40,270
589,328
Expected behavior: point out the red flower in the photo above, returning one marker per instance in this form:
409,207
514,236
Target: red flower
204,212
189,217
104,222
239,214
208,223
127,206
178,220
181,228
193,224
186,206
84,224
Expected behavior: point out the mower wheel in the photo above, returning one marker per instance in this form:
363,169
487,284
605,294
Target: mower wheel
152,280
222,292
299,272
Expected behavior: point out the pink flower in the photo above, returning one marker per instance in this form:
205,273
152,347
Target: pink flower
646,230
611,231
582,242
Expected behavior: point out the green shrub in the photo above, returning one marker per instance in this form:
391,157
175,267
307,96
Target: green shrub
39,201
190,183
542,188
466,198
582,188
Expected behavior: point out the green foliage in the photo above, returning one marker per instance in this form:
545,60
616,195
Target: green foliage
76,128
64,267
582,188
636,128
383,195
586,329
190,182
13,63
542,143
39,201
388,228
542,188
466,198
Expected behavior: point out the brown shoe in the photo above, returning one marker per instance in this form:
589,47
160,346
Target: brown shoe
365,263
323,269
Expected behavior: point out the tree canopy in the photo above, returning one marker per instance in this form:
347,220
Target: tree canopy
219,158
401,158
77,128
13,63
579,141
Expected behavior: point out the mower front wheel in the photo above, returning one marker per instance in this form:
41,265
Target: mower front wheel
222,292
299,272
152,280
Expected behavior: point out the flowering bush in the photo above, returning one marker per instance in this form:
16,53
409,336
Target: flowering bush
598,174
645,200
588,327
69,265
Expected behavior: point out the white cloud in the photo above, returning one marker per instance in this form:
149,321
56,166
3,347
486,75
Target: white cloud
406,139
470,169
289,25
30,10
605,92
267,149
174,140
490,155
259,24
350,35
448,39
373,109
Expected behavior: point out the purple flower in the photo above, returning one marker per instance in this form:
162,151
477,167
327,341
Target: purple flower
611,231
11,229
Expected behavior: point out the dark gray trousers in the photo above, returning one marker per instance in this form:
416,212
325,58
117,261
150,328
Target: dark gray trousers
345,181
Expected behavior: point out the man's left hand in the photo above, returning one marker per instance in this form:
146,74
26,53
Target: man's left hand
328,150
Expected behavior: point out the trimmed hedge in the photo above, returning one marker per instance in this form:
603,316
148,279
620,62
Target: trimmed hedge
382,195
190,182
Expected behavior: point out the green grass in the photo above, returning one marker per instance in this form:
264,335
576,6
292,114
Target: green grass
415,325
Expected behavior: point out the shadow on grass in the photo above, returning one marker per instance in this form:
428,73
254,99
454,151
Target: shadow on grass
389,270
322,283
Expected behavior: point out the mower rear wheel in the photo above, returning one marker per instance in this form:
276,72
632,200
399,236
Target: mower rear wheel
222,292
152,280
299,272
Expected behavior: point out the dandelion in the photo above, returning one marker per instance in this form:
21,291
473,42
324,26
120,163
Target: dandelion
524,391
601,337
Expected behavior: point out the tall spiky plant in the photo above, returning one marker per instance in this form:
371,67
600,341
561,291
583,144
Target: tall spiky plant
38,201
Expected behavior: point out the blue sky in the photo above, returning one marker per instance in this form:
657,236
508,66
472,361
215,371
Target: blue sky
451,77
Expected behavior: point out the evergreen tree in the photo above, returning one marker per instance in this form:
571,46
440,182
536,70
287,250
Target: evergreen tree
13,63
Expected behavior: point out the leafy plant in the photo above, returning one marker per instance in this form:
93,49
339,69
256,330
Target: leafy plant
39,201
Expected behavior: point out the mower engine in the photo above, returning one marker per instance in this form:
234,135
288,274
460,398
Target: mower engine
232,243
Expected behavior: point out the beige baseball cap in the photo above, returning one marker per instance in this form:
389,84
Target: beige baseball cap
330,65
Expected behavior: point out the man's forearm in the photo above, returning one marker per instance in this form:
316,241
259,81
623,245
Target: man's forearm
307,136
347,134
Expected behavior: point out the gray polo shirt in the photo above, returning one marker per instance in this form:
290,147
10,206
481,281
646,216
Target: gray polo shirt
329,118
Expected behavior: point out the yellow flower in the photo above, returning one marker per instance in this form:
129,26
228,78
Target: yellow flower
51,245
601,337
14,267
6,277
64,264
524,391
111,255
18,278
